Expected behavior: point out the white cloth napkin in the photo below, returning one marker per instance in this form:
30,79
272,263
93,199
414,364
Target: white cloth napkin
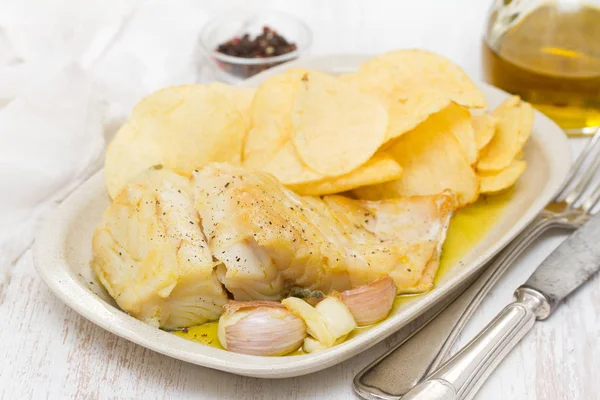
51,125
50,140
70,72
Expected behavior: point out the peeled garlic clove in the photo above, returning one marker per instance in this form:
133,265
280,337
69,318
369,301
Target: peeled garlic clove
315,321
371,303
339,318
311,345
261,328
328,321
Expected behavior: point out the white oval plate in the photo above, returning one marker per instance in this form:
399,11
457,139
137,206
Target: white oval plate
63,253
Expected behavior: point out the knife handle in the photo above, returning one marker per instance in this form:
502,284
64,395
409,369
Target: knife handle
462,375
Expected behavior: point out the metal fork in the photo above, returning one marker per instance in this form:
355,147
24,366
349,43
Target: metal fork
390,376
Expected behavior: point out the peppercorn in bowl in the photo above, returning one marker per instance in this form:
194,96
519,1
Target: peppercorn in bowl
241,44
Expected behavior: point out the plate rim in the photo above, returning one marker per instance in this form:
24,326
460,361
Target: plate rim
54,271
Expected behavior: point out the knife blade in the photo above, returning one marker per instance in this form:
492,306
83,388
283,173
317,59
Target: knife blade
569,266
575,261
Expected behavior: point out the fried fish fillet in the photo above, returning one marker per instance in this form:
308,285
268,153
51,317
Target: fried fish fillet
269,239
151,255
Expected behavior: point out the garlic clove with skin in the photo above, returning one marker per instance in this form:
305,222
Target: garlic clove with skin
261,328
371,303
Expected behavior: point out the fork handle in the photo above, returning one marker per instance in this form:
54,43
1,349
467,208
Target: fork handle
428,348
464,373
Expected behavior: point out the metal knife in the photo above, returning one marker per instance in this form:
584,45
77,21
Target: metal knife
567,268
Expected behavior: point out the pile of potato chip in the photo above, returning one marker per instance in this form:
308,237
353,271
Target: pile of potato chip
409,122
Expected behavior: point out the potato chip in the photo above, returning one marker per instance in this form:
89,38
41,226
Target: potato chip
414,84
240,96
336,128
459,121
403,113
286,166
181,128
379,169
271,118
128,155
514,127
484,126
347,78
418,71
432,161
498,181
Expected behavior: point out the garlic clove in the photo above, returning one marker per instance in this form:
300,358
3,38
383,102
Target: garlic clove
339,318
371,303
312,345
316,323
261,328
327,322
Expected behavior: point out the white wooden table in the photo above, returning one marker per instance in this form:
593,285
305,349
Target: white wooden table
49,351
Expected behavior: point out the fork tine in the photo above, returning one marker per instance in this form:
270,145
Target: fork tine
580,176
578,164
593,200
574,198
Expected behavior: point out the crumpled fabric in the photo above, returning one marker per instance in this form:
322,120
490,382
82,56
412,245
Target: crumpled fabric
66,84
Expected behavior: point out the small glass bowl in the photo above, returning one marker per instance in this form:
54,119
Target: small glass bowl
235,24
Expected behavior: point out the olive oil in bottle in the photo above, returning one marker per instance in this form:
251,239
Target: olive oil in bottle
551,58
